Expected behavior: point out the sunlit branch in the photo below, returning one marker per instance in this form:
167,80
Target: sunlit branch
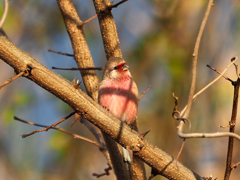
236,67
194,71
208,135
144,92
195,58
207,86
235,165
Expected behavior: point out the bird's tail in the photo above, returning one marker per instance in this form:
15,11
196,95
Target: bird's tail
126,155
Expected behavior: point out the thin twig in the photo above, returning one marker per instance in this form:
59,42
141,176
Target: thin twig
209,135
103,174
97,135
5,11
144,92
65,54
49,127
220,73
225,126
12,79
117,4
235,165
236,67
180,151
87,21
207,86
59,129
77,69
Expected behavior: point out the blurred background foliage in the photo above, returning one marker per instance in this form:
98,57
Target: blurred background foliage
157,39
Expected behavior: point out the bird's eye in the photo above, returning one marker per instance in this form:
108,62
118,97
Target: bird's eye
116,67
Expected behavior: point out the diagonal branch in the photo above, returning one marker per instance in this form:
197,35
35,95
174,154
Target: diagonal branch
92,111
12,79
207,86
49,127
60,129
220,73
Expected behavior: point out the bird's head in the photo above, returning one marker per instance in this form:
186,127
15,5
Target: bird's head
116,68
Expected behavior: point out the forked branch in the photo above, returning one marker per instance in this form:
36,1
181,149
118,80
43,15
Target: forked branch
49,127
59,129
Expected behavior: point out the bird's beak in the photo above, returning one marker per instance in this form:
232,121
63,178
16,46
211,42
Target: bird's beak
125,67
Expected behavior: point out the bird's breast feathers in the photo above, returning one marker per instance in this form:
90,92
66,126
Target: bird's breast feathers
120,97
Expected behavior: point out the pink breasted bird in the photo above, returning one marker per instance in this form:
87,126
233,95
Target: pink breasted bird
119,93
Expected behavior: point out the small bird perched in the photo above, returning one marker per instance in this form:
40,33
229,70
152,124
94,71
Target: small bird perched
119,93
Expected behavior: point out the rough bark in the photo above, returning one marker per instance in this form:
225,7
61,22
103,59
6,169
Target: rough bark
89,109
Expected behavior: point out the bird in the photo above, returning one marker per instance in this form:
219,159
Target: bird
118,93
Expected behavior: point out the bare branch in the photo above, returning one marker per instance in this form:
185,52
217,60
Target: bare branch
96,114
195,58
103,174
12,79
82,54
220,73
82,69
236,67
87,21
59,129
144,92
49,127
209,135
117,4
232,124
180,150
207,86
5,11
108,29
65,54
235,165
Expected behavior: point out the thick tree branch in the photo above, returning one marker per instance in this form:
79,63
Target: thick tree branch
112,49
80,48
92,111
83,59
108,28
